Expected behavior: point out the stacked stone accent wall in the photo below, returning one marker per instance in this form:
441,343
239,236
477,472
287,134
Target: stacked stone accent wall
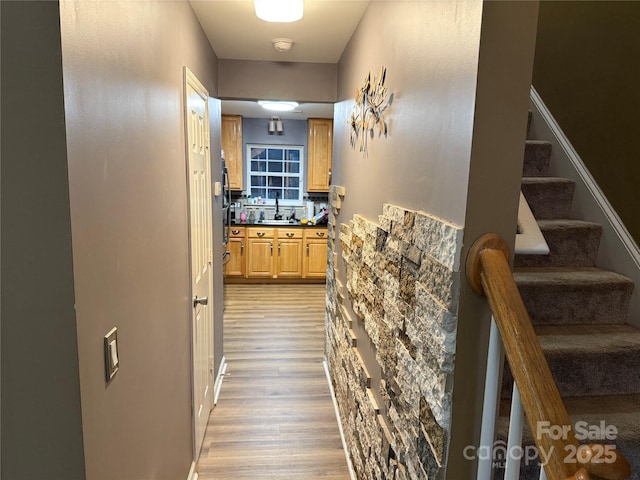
402,282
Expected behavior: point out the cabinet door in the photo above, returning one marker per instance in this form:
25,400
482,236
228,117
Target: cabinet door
235,266
320,146
290,257
315,261
260,257
232,145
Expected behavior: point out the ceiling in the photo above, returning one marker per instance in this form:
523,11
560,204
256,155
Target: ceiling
252,110
235,33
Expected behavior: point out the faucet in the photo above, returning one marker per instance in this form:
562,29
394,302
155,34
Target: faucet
277,215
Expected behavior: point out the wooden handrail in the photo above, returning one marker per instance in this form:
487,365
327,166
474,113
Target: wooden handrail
489,274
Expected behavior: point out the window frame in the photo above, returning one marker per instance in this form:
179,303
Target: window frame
299,174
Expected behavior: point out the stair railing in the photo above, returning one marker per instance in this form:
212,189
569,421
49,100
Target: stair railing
535,391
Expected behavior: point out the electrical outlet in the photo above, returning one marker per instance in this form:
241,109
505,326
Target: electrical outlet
111,360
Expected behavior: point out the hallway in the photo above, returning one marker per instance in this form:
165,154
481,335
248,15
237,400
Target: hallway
274,418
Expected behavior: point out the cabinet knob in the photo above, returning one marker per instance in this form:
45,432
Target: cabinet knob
235,232
320,234
290,234
260,234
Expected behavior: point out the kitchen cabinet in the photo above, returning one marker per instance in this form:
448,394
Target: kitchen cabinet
232,145
320,152
235,267
289,252
315,253
277,253
260,260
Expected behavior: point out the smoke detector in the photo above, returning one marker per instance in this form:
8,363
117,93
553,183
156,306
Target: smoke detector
282,44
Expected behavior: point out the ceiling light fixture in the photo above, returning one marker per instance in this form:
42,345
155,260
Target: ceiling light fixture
278,106
279,10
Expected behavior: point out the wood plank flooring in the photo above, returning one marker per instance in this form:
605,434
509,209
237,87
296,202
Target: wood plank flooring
274,418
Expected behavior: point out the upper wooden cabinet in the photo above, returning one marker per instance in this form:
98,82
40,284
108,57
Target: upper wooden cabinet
232,146
320,145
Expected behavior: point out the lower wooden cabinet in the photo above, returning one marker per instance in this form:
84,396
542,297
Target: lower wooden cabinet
235,266
289,259
315,255
269,252
260,247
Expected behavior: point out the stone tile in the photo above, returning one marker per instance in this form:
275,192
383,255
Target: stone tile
434,432
438,238
427,459
402,278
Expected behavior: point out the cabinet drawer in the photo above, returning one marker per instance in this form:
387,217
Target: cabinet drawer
315,233
255,232
289,233
236,232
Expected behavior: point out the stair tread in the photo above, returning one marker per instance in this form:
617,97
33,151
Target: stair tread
546,180
561,223
537,142
567,276
587,339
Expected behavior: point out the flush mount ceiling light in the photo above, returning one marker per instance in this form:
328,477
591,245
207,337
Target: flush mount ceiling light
279,10
277,105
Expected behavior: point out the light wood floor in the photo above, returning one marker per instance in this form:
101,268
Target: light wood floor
274,418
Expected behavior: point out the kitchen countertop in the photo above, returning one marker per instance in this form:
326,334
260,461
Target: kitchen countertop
267,223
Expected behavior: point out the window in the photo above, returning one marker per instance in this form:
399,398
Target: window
275,170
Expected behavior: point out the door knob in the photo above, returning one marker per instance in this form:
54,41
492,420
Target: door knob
200,301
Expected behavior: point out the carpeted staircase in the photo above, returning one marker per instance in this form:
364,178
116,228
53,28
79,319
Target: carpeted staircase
580,313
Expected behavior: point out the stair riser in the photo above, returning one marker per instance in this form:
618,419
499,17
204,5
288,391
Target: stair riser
589,375
576,304
575,247
536,159
549,200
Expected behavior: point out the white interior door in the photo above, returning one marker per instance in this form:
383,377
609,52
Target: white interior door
199,165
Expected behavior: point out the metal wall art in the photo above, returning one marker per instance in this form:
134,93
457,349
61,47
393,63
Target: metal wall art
368,111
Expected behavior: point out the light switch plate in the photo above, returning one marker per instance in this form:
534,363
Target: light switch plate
111,359
217,189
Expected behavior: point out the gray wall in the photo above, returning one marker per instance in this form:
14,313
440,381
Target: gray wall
303,82
587,71
507,45
430,50
41,421
453,97
123,80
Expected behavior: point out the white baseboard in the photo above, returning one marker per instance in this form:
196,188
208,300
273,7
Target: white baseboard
192,472
219,378
352,473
